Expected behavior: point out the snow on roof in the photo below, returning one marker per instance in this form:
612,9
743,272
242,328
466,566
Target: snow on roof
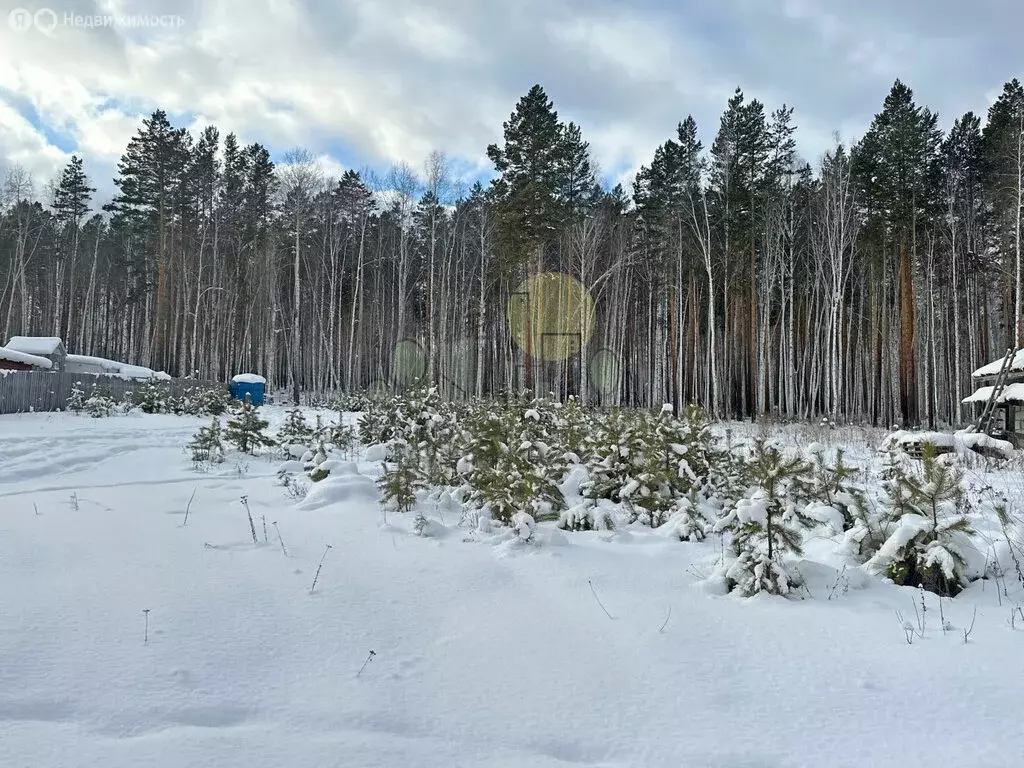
249,378
83,364
34,345
21,357
1012,393
95,362
992,369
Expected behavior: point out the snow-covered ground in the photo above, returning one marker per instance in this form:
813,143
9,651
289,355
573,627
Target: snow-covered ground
486,653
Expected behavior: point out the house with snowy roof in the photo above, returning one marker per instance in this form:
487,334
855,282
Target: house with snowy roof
48,347
999,397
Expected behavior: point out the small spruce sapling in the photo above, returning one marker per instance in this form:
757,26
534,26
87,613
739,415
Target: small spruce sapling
207,444
832,484
151,399
76,402
99,404
765,526
317,468
400,481
294,429
246,430
929,542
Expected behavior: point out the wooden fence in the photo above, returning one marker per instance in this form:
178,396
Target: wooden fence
24,391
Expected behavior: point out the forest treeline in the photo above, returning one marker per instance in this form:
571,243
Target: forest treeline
864,288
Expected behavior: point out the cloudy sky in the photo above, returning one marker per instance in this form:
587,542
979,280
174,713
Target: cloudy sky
366,83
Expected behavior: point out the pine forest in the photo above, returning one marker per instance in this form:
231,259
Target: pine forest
862,287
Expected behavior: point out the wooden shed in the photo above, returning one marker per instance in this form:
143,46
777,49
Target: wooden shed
49,347
998,400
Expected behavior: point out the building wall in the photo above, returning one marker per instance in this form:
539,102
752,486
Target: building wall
11,365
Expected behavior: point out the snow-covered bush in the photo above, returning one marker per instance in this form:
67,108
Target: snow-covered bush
687,523
95,402
588,516
152,399
99,404
572,423
506,469
212,402
649,463
246,430
523,526
930,540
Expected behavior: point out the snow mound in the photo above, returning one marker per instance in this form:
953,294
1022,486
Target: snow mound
344,489
377,452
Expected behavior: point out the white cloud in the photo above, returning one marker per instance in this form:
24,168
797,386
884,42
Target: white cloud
368,83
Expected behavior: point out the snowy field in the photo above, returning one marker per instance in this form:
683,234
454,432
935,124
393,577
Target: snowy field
586,649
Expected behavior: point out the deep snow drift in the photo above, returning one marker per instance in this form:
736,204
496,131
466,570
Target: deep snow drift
487,652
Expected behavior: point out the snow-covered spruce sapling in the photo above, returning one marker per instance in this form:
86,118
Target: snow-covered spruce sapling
207,444
931,536
342,437
832,483
504,471
76,401
587,516
151,399
374,424
99,404
764,526
635,459
316,467
246,430
294,429
401,479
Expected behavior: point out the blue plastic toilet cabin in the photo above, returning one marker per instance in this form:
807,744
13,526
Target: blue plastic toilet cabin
250,384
